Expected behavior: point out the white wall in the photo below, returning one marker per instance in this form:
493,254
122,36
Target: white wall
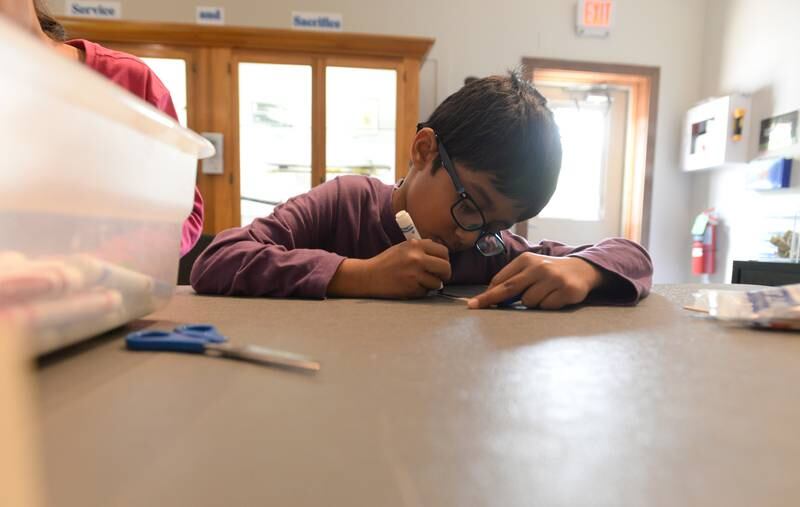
751,47
476,37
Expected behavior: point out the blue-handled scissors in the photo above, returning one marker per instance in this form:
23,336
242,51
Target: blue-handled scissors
202,338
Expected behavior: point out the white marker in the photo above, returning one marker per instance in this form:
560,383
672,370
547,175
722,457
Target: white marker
409,229
407,225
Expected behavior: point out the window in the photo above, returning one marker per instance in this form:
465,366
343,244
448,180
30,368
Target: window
172,72
274,135
361,111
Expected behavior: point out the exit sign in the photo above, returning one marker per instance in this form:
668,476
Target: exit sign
595,17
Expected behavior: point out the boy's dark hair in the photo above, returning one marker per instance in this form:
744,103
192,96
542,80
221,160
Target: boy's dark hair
50,26
501,124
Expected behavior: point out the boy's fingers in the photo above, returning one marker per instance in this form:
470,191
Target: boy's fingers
433,248
438,267
526,261
499,293
538,293
429,281
553,301
509,270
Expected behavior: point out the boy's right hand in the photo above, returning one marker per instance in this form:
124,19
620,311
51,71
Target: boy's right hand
409,269
406,270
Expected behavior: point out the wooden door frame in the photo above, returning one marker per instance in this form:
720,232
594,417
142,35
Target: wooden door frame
402,124
643,81
254,56
318,64
213,47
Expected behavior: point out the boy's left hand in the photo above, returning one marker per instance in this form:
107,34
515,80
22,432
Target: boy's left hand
545,282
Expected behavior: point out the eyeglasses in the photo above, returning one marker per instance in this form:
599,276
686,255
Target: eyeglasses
466,213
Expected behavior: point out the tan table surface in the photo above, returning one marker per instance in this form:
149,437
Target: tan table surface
427,403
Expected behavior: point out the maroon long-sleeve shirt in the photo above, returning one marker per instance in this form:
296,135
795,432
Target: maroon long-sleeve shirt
297,250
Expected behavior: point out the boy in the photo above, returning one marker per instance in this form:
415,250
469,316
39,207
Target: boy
488,157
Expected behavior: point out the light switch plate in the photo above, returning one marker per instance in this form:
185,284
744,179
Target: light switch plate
214,165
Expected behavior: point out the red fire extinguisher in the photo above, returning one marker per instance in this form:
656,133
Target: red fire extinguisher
704,246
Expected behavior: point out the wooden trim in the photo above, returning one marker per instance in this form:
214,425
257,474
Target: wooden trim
213,84
620,69
640,138
400,121
230,119
153,50
317,174
319,164
407,114
252,56
180,34
389,63
650,156
217,97
404,97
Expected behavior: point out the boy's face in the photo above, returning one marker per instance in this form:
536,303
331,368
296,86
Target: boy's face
431,194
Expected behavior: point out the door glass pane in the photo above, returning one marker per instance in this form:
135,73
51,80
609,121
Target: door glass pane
172,72
361,107
580,187
274,135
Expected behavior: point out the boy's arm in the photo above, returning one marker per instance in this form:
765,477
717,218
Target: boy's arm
551,275
625,266
275,256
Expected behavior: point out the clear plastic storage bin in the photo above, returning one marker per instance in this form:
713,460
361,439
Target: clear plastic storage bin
94,188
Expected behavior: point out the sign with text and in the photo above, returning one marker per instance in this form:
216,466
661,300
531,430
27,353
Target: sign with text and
595,17
211,15
317,21
105,10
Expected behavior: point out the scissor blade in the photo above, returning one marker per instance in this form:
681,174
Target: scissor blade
264,355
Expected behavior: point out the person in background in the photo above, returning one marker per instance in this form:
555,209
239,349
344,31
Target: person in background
123,69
